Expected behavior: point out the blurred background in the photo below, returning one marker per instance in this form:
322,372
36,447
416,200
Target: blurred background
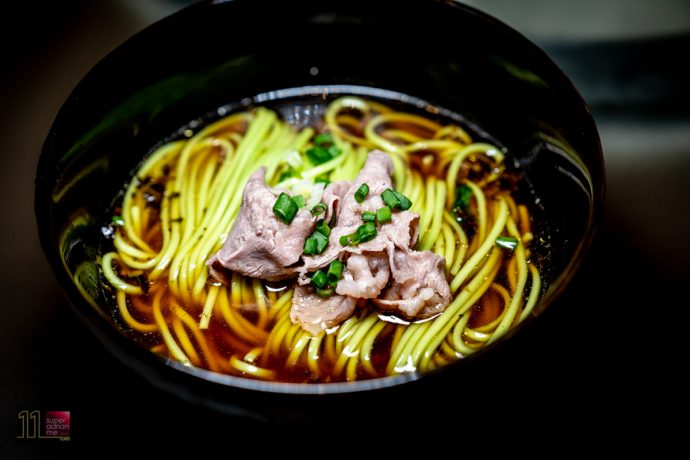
627,57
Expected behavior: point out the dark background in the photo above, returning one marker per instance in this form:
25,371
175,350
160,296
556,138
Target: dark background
602,356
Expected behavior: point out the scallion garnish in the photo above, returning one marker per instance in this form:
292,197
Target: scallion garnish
349,240
323,139
318,155
321,241
324,283
323,228
507,242
396,200
335,272
324,149
368,216
463,195
325,292
288,173
317,241
322,180
118,220
366,232
310,246
318,209
383,215
319,279
299,200
285,208
390,199
361,193
405,202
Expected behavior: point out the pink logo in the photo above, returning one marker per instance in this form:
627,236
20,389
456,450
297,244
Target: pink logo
56,424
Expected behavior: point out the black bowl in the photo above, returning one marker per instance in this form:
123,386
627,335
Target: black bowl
216,53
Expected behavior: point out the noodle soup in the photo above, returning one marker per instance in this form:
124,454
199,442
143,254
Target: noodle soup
471,248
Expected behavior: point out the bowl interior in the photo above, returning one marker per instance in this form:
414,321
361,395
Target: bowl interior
212,54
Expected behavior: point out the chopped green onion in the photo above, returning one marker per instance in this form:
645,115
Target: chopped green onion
463,195
361,193
506,242
396,200
299,200
285,208
383,215
118,220
322,180
321,241
405,202
324,150
323,228
310,246
288,173
348,240
323,139
319,208
335,272
390,198
366,232
333,151
325,292
319,279
368,216
318,155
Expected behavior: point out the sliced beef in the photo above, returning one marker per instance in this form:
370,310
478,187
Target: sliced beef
385,270
365,276
315,313
260,245
376,173
418,288
402,232
333,194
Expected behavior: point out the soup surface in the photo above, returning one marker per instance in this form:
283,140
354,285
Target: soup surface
205,265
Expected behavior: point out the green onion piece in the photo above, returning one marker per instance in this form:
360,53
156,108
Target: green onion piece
318,155
310,246
335,272
321,241
383,215
389,197
348,240
288,173
361,193
322,180
396,200
299,200
118,220
318,279
366,232
324,149
368,216
405,202
333,151
318,209
506,242
325,292
323,139
463,195
285,208
323,228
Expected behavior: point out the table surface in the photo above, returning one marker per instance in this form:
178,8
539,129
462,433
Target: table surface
599,349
